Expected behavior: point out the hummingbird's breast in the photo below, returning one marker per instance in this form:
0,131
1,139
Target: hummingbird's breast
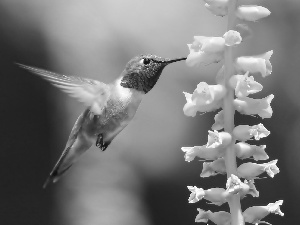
119,111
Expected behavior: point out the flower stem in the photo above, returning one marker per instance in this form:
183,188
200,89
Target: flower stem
230,157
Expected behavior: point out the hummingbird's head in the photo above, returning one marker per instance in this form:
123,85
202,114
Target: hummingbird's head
142,72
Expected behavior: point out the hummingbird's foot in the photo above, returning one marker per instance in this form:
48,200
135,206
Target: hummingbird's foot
100,143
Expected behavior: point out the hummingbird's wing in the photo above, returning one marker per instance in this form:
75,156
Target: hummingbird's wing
92,93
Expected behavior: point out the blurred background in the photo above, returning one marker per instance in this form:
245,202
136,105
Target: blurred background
141,179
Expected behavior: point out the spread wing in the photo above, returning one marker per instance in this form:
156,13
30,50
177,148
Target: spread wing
92,93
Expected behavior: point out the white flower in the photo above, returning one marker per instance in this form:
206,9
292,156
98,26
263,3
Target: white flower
205,50
205,98
254,214
246,132
202,152
250,170
255,64
244,151
250,106
244,85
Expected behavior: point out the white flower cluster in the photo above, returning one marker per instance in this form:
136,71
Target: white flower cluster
208,98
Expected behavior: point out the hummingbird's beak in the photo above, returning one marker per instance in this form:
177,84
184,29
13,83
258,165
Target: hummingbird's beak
174,60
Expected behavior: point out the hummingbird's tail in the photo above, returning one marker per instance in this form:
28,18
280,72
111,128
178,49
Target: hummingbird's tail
77,144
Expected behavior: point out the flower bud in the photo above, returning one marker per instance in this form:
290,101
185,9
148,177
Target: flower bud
219,218
202,152
254,214
250,170
213,168
255,64
246,132
232,37
252,12
250,106
244,151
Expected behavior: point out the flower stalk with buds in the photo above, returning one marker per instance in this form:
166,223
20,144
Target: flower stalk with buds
234,84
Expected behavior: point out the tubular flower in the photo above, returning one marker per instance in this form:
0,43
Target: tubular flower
234,186
250,170
244,151
255,64
219,121
252,12
216,139
202,152
205,98
219,218
213,168
250,106
216,196
205,50
246,132
217,7
232,37
244,85
255,214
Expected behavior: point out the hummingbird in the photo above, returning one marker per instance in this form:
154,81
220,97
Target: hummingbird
109,107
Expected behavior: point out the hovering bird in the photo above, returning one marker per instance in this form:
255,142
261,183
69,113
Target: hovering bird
110,107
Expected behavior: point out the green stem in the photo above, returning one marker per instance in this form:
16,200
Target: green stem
230,157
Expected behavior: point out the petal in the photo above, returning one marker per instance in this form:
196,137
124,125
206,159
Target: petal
196,194
259,131
271,168
219,121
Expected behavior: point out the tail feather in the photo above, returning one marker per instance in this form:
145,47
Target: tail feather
54,176
77,144
55,173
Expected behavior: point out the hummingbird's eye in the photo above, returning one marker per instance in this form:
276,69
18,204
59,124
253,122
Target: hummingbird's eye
146,61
